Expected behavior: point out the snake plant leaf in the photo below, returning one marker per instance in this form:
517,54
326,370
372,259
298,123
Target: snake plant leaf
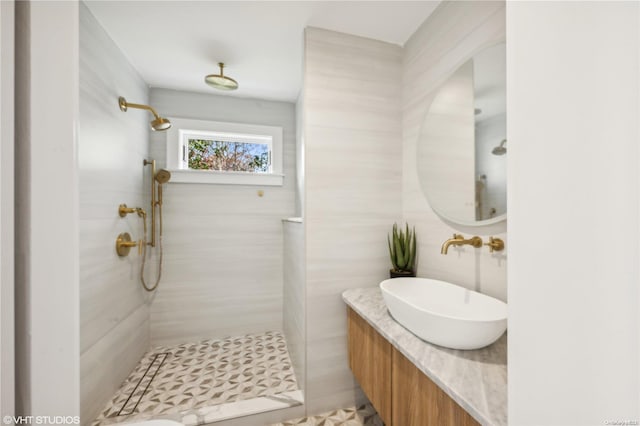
412,259
395,233
399,255
392,254
407,246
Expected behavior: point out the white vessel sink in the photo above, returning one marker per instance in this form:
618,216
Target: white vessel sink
444,313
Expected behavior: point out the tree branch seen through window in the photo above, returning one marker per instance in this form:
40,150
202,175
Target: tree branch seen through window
228,156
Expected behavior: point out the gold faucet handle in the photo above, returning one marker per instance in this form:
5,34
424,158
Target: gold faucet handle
140,246
124,244
495,244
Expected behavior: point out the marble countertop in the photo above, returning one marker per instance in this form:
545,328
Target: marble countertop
477,379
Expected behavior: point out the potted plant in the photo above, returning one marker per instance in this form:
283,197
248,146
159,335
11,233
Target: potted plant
402,251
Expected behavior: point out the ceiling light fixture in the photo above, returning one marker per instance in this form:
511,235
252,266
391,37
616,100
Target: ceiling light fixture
221,81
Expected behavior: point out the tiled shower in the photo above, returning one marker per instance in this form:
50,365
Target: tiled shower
210,343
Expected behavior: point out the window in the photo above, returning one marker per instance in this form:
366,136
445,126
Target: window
225,153
216,152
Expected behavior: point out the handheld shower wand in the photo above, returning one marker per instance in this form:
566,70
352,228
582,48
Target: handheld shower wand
157,180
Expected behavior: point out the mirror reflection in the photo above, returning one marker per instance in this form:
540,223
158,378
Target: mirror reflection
462,145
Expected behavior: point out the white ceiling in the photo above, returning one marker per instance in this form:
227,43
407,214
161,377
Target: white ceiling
174,44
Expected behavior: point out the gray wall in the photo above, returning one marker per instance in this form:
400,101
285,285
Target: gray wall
450,36
223,243
114,318
352,131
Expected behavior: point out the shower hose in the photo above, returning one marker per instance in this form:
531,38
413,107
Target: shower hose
144,252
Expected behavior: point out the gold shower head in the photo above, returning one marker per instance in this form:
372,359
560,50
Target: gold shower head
157,124
221,81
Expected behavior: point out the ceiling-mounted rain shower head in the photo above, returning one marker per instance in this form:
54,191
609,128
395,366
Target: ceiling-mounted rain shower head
157,124
221,81
163,176
501,149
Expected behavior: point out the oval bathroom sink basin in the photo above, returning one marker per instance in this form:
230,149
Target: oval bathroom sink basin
444,313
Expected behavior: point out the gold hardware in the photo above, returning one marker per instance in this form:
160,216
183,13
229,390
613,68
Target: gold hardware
221,81
152,163
159,123
495,244
123,210
260,193
157,180
124,244
458,240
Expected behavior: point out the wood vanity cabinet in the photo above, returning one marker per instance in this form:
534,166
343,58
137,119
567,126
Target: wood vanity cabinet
370,362
401,394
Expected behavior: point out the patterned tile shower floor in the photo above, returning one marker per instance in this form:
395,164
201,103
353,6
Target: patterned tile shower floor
175,379
364,415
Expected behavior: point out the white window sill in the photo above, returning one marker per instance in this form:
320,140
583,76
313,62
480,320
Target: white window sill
226,178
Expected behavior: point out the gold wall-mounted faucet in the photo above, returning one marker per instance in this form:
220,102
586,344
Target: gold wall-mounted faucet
458,240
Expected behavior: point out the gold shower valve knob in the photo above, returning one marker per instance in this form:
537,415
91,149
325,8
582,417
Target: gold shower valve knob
495,244
124,244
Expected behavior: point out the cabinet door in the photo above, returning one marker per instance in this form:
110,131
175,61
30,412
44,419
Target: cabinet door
417,401
370,361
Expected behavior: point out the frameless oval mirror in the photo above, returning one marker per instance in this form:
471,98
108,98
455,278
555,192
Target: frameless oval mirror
462,145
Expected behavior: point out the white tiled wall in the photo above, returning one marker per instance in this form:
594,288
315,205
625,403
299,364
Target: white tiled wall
449,37
294,300
352,131
114,318
223,243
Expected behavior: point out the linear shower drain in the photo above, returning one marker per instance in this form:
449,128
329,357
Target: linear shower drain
143,384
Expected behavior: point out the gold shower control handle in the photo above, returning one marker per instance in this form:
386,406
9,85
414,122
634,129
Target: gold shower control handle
124,244
495,244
